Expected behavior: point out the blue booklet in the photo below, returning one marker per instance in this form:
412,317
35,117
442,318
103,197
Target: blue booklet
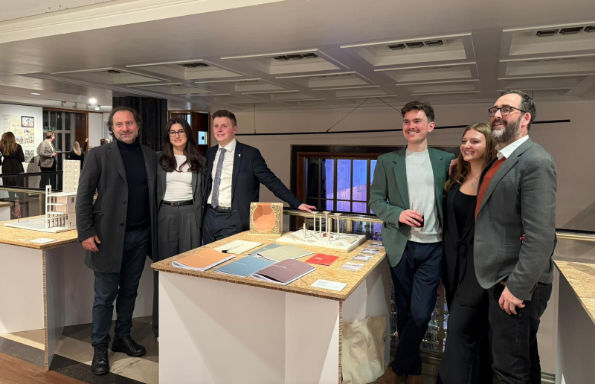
245,266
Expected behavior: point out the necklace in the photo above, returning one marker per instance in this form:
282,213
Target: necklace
474,182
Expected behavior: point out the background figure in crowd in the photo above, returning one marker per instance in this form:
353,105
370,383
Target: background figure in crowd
407,195
117,230
467,356
236,171
47,161
13,158
515,236
180,190
77,152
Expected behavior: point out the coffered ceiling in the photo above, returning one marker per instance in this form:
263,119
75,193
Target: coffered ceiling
243,54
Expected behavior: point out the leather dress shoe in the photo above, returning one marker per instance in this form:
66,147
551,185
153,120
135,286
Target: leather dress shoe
128,346
100,364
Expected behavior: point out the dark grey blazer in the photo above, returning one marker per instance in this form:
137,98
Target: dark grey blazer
104,172
198,190
520,199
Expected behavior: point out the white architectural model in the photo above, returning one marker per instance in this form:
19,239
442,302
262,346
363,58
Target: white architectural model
60,209
316,237
60,214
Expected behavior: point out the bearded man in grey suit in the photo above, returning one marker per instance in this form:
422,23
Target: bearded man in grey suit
117,230
515,238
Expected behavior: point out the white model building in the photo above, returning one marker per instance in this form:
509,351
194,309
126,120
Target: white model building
324,238
60,209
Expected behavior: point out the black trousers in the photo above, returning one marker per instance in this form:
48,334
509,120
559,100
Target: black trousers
514,337
467,358
219,225
48,176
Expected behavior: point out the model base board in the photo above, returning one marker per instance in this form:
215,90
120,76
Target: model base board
340,242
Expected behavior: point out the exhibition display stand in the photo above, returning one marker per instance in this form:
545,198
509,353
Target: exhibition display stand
45,285
223,328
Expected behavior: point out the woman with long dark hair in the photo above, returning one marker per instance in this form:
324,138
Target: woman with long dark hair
467,357
13,158
180,190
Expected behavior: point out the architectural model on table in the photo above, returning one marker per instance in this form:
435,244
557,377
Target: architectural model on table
60,214
316,237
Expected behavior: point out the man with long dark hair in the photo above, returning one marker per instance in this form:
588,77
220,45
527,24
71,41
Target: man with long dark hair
116,230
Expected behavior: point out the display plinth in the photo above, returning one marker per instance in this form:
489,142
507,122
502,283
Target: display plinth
223,328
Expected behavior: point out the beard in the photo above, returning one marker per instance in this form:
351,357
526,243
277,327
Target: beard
510,131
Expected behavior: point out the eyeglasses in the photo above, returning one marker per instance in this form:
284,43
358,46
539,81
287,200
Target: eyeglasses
177,133
505,110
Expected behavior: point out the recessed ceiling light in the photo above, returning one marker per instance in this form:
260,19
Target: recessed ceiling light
92,100
36,93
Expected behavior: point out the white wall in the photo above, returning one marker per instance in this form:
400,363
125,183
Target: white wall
8,111
570,144
95,128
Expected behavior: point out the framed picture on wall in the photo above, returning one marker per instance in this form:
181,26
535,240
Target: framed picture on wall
27,121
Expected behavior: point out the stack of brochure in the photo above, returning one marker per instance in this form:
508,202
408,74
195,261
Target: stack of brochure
283,252
284,272
245,266
202,259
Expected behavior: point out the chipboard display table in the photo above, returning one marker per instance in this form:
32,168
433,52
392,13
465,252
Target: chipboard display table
218,328
45,285
575,259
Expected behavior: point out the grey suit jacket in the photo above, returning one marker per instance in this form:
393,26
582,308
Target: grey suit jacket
45,151
520,200
104,172
389,196
199,188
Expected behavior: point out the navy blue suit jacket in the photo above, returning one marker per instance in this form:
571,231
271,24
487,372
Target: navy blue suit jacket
249,171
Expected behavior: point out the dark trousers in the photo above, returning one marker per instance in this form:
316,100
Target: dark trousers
514,337
467,358
122,287
415,280
178,232
219,225
48,176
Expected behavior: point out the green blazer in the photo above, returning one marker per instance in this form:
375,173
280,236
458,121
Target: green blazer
389,196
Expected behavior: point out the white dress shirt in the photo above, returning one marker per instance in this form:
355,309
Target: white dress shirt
226,174
510,148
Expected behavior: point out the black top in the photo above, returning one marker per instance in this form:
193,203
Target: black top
464,209
138,191
73,156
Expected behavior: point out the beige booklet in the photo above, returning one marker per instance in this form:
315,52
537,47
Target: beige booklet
284,252
201,259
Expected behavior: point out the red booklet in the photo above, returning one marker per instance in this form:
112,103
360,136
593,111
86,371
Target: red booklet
322,259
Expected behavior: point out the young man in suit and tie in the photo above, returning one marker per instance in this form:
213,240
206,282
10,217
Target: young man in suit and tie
235,172
407,195
515,237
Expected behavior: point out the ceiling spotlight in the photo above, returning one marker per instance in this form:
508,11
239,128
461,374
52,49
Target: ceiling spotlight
92,101
35,93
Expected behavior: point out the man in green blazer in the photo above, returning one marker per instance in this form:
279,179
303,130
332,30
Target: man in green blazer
407,195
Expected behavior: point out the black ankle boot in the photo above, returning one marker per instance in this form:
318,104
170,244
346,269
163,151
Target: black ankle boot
128,346
100,365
